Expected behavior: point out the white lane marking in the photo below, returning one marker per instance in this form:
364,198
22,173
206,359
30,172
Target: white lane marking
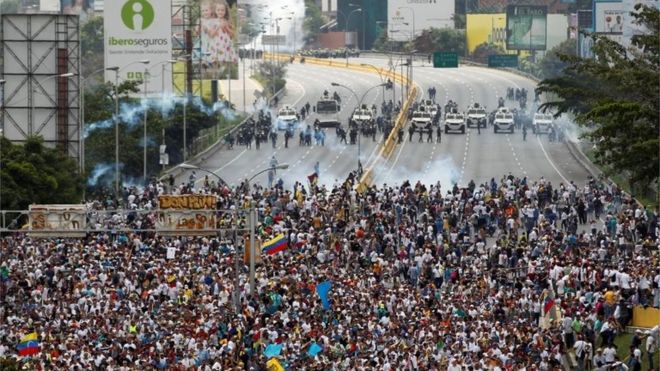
515,155
545,153
538,139
465,156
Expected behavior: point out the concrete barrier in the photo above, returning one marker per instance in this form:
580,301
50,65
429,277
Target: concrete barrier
645,317
390,143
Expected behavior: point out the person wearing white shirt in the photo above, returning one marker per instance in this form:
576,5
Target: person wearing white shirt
580,347
609,353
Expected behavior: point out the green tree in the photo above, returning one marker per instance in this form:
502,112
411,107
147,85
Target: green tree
33,173
482,51
445,39
164,124
552,64
616,95
313,22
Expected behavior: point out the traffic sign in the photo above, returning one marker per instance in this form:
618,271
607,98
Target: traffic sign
503,60
445,60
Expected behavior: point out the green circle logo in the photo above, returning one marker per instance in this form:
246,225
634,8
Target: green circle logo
137,15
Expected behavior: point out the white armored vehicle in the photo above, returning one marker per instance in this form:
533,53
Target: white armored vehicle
477,116
454,121
542,123
503,120
287,118
421,119
363,116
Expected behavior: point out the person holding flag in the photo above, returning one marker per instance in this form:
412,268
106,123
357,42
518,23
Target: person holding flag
29,345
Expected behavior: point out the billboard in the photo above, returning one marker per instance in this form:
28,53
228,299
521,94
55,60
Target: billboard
187,214
215,38
485,28
57,220
609,17
38,100
137,31
526,27
423,14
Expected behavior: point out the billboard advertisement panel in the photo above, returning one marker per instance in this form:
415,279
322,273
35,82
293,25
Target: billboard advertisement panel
526,27
402,15
138,31
215,38
485,28
609,17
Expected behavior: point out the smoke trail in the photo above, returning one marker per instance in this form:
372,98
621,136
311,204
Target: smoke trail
132,113
99,172
442,170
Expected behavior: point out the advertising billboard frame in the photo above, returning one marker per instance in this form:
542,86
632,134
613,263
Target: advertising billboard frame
530,17
137,31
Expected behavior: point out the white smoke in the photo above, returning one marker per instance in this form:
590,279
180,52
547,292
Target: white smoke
264,14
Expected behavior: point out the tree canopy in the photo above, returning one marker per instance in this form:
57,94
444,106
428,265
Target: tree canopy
552,64
313,22
445,39
616,96
33,174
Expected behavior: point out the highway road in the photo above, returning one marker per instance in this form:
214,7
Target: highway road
459,158
305,83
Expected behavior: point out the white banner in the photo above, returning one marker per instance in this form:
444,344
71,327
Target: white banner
57,220
403,15
137,31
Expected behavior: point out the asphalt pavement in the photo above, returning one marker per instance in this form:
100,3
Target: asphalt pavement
305,83
459,158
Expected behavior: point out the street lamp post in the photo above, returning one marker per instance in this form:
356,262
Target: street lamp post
116,70
185,102
146,110
253,226
380,75
116,94
348,19
252,219
363,23
359,162
412,38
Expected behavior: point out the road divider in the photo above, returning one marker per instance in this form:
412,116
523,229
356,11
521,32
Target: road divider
390,143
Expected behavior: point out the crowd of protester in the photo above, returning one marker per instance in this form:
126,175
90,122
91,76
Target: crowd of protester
507,274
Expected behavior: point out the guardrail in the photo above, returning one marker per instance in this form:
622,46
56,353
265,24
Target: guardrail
390,143
342,64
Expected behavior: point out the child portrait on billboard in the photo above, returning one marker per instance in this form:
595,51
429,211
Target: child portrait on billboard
216,34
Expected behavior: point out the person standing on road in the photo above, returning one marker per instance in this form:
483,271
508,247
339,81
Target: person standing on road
411,131
429,137
317,169
421,135
524,131
439,133
273,163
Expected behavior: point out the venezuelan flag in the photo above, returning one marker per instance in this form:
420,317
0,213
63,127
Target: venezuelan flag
275,245
29,345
